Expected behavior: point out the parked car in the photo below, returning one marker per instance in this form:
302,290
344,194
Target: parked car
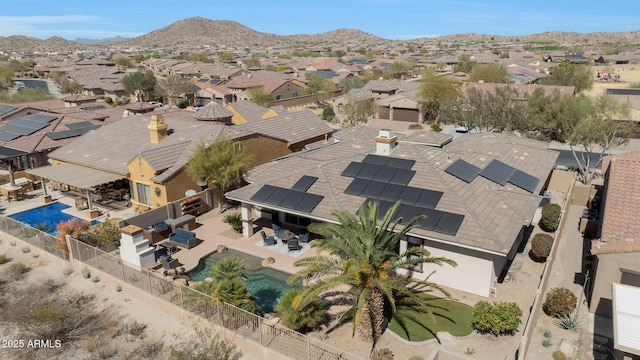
156,103
461,128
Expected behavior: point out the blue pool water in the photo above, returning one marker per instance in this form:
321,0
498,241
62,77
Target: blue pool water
51,214
266,284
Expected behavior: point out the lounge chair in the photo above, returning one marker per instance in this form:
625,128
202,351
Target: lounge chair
304,237
268,240
277,230
168,262
294,245
183,238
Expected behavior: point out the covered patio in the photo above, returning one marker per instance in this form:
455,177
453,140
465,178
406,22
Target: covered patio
75,176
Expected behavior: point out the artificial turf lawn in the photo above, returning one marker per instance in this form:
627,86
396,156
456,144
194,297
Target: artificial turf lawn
450,316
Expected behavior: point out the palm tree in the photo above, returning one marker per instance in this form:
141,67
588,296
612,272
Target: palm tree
362,254
233,292
228,268
300,318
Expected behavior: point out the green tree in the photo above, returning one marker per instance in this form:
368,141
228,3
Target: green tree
24,95
359,111
398,69
317,85
140,84
259,96
300,318
609,125
234,292
221,163
6,74
228,268
464,64
361,253
489,73
124,62
175,87
226,57
569,74
436,90
350,82
253,62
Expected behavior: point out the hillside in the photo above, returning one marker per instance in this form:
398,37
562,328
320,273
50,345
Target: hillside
198,31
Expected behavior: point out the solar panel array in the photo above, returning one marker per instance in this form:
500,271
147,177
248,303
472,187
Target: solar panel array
623,91
59,135
287,198
4,109
95,107
304,183
496,171
81,125
385,180
24,126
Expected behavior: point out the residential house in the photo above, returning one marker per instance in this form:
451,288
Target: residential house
616,279
479,192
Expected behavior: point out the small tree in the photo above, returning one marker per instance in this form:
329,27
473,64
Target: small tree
221,163
550,217
73,228
297,317
490,73
259,96
501,318
140,84
328,114
559,302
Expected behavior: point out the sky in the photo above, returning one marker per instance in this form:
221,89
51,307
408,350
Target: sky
389,19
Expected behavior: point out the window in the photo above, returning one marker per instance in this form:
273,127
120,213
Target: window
144,193
295,94
278,97
297,220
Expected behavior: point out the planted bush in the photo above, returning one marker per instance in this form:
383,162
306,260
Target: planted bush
559,355
550,217
436,127
235,220
3,258
86,273
559,302
501,318
541,246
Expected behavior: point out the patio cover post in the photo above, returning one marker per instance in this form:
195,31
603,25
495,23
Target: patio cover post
247,219
89,200
43,186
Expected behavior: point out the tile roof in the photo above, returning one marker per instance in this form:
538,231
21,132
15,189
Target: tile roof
620,231
248,110
212,111
494,214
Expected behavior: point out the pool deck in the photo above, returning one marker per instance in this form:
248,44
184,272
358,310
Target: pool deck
212,231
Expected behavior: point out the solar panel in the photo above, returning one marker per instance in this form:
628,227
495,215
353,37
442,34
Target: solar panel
29,124
293,199
59,135
7,136
433,216
81,125
4,109
90,108
383,207
277,196
373,189
202,80
352,169
376,159
623,91
407,212
402,177
524,181
42,117
356,187
391,192
264,192
400,163
386,174
428,199
409,195
19,130
368,171
309,202
304,183
463,170
498,172
449,223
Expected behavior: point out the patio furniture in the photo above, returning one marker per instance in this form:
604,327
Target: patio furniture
170,248
183,238
294,245
285,236
277,230
157,232
168,262
268,240
186,222
304,237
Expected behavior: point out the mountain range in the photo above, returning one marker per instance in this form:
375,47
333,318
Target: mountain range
197,31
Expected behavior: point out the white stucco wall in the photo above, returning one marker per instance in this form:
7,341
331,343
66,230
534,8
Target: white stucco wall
473,275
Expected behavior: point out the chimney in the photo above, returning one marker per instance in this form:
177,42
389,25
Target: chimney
158,129
385,142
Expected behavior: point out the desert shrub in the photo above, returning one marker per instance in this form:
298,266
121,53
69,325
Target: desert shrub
541,246
571,321
328,114
206,346
416,357
550,217
118,287
3,258
131,327
547,334
559,355
108,100
95,279
235,220
501,318
547,342
26,249
382,354
17,269
67,271
86,272
436,127
415,127
559,302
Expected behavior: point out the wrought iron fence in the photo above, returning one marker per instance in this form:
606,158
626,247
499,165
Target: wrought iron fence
33,236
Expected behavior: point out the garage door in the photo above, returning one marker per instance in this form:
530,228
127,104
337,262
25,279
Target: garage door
412,115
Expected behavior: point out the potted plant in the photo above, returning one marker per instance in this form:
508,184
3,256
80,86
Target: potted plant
235,220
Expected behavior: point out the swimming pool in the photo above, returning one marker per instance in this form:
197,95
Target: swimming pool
266,284
51,214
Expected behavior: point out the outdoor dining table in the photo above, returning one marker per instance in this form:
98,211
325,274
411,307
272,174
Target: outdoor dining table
286,236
